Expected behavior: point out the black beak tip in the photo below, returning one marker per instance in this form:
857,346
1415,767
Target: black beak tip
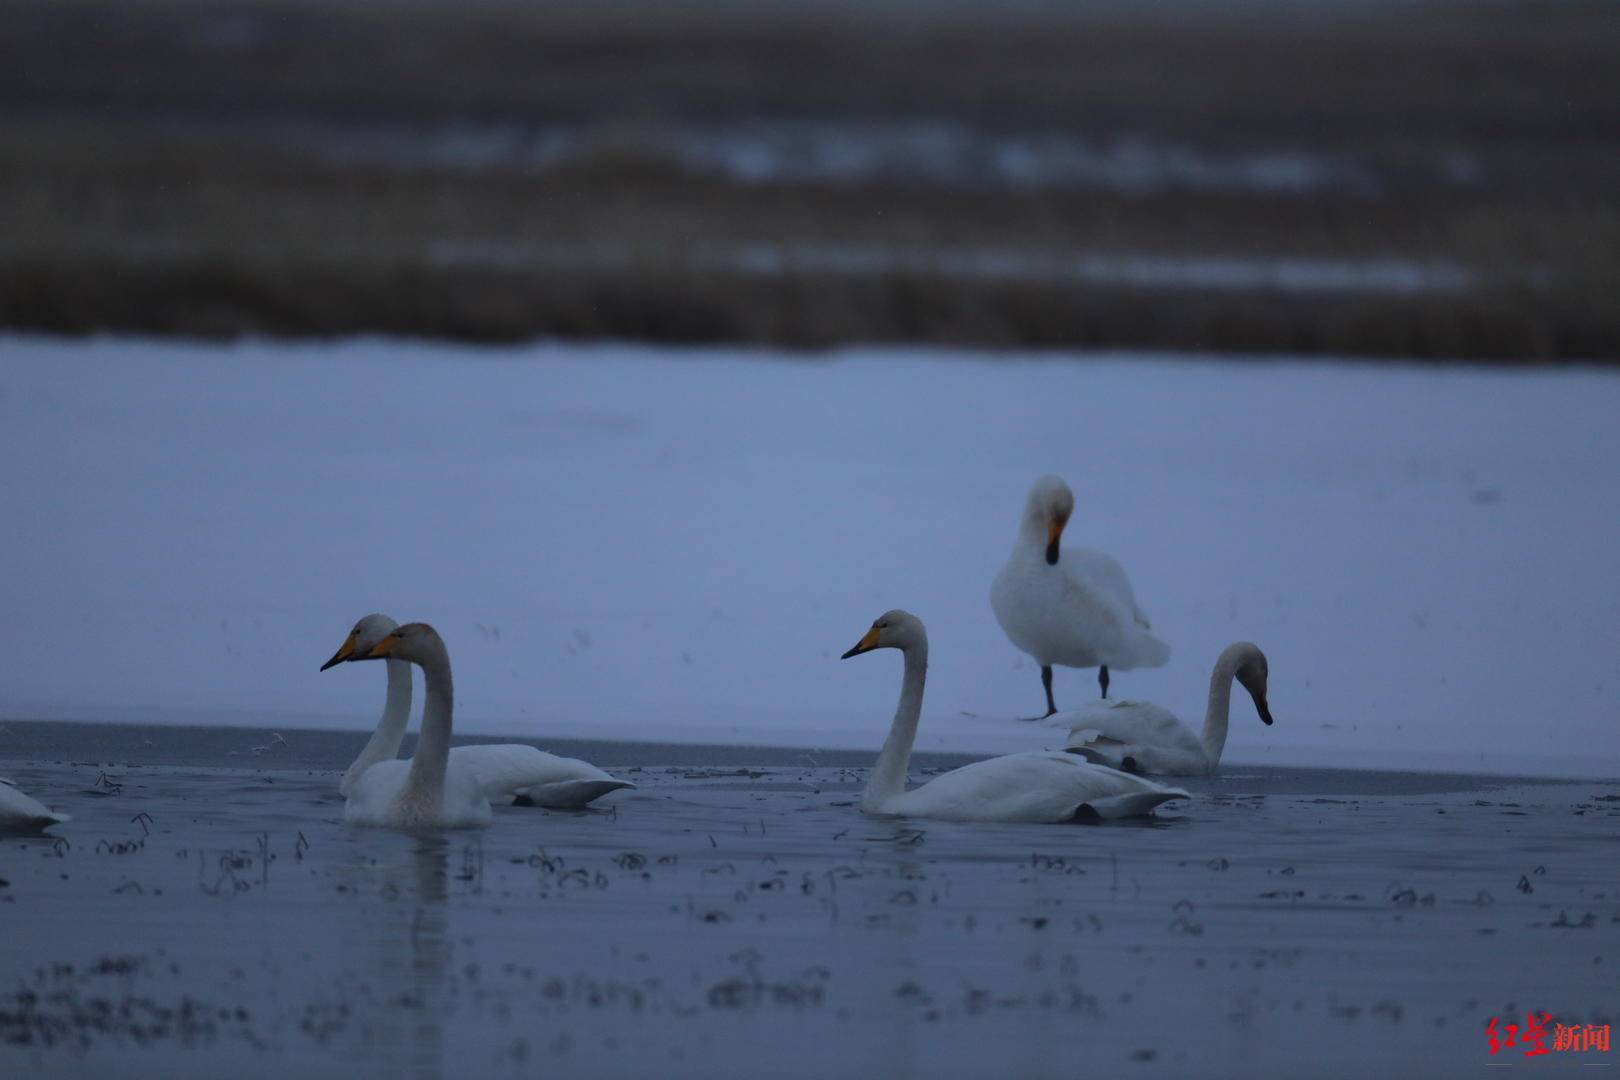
853,652
1051,554
334,662
1265,715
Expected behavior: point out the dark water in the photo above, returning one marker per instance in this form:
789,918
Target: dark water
741,921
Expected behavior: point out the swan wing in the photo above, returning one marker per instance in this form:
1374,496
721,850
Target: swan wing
1135,735
571,794
1100,574
1082,616
23,813
1123,622
1135,723
1038,786
511,771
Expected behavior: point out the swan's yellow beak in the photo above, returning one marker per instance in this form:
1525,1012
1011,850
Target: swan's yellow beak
866,644
1054,530
383,647
343,653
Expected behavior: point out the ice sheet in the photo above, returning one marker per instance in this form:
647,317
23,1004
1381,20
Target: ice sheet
627,542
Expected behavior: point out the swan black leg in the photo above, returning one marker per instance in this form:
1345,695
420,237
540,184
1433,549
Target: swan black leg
1051,706
1102,680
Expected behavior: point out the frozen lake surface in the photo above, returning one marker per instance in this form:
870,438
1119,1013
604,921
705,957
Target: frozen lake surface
748,921
676,545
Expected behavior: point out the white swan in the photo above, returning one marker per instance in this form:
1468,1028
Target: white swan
426,791
21,813
1043,785
1139,736
509,772
1072,606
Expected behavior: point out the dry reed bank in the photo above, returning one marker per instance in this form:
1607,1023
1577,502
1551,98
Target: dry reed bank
1433,181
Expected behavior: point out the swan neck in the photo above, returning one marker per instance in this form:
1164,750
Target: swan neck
433,747
888,777
396,714
1220,709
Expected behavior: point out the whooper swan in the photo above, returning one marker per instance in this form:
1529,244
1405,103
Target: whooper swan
1069,606
426,791
509,772
1139,736
1039,786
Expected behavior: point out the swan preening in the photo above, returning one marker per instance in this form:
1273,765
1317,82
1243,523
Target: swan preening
1038,786
1069,606
507,773
1141,737
23,813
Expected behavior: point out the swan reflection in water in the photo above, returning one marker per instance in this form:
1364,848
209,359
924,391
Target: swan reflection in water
414,955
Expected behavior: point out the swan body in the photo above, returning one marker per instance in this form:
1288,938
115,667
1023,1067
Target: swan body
385,797
508,772
424,792
23,813
1039,786
1140,736
1069,606
513,772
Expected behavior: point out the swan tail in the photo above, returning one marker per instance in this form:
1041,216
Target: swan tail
1134,804
568,794
1151,652
36,824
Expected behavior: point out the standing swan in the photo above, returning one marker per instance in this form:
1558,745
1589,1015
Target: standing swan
1072,607
1141,737
1039,786
21,813
510,772
424,792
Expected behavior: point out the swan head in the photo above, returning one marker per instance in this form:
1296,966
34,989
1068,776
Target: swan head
892,630
417,642
362,639
1250,670
1047,511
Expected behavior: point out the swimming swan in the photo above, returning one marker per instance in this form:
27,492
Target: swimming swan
22,814
427,791
1072,607
1042,785
510,772
1139,736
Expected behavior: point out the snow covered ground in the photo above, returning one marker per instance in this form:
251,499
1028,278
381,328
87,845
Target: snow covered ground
633,543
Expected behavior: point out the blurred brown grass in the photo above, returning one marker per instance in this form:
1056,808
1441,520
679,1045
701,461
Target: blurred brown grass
113,221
